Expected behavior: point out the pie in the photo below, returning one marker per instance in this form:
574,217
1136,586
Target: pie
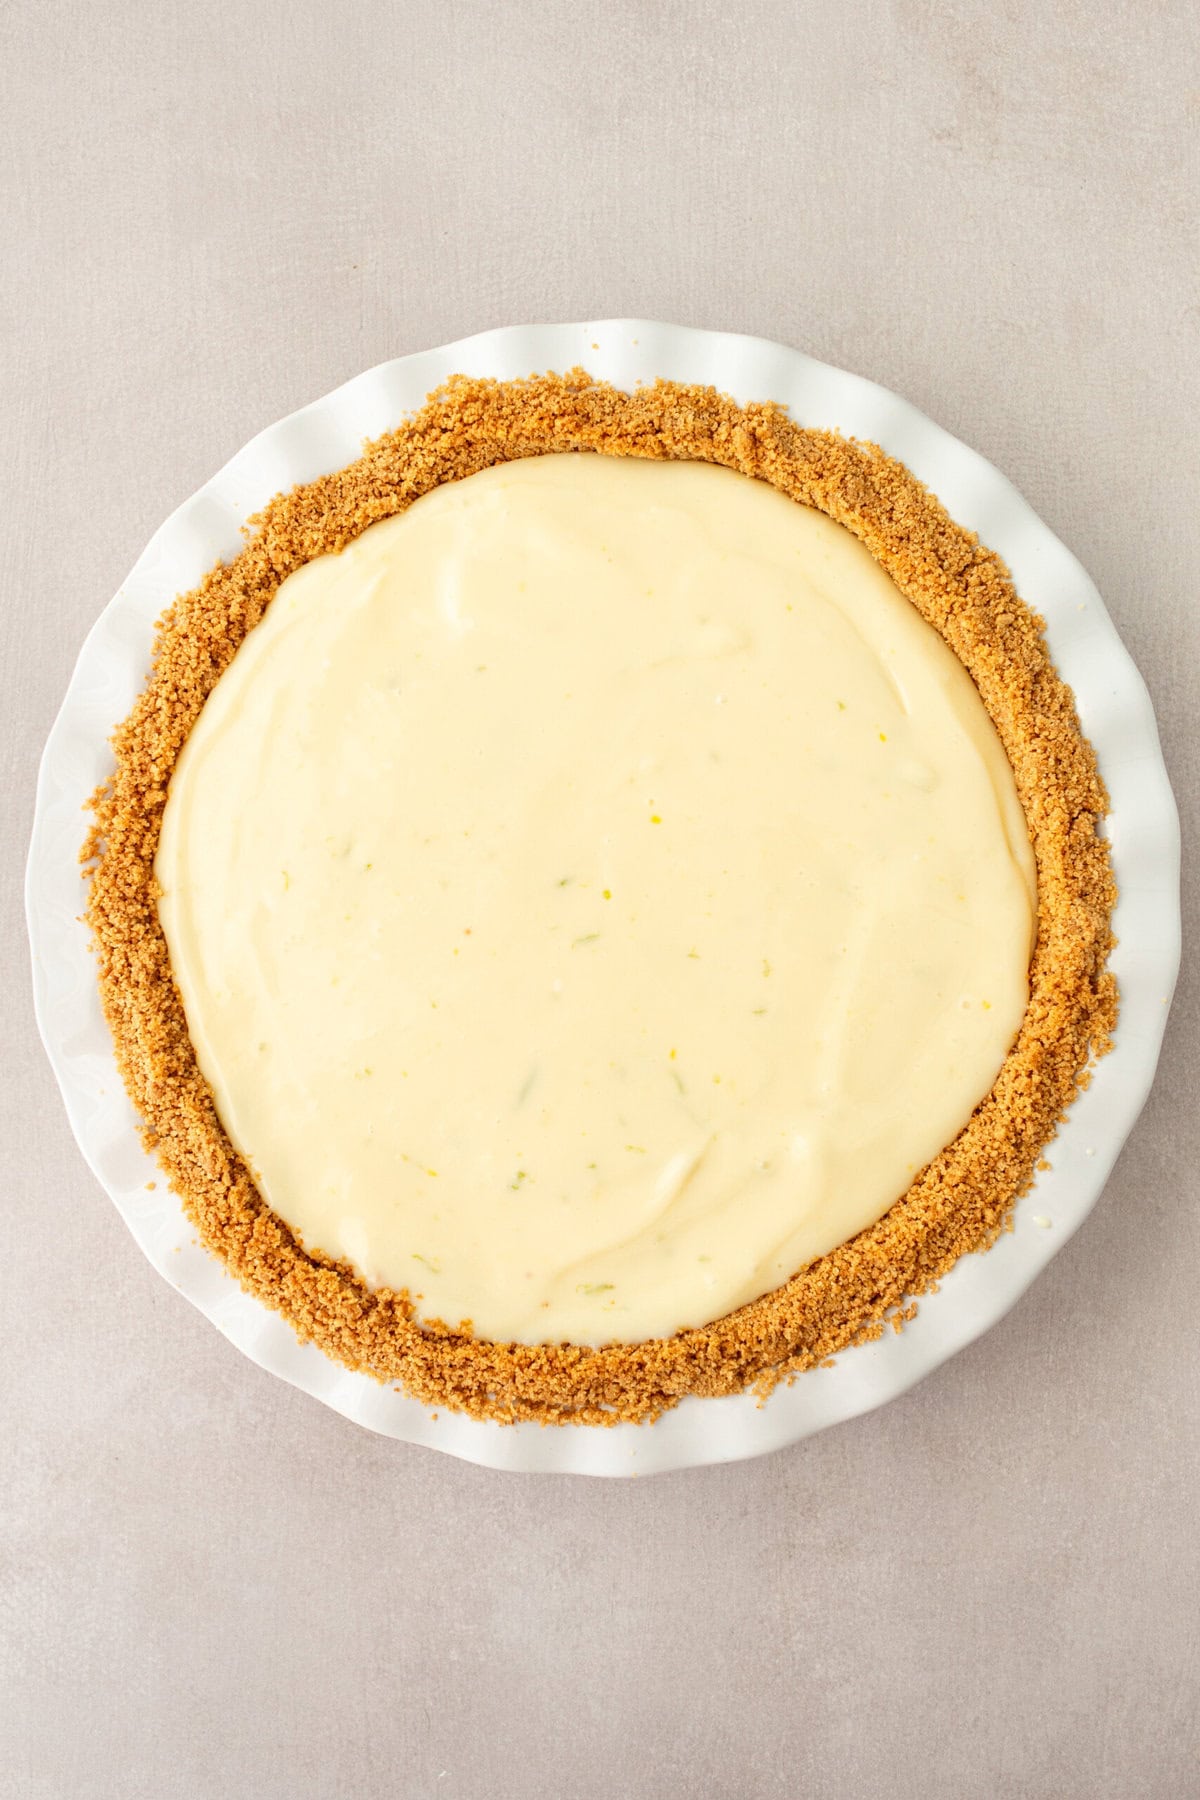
603,899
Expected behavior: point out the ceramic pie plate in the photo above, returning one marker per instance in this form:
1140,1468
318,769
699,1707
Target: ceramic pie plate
1115,713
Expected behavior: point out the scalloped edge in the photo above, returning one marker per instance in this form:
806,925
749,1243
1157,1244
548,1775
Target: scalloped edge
1115,713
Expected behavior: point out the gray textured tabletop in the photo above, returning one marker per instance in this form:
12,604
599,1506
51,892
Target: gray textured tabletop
209,1585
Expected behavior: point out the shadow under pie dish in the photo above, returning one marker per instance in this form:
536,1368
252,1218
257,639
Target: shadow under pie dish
962,1194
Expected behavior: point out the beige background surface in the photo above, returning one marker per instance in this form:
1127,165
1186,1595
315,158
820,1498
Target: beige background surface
209,1586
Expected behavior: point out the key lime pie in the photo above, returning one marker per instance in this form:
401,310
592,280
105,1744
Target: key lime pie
602,900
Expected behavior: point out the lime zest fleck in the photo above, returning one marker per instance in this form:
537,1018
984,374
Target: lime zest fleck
430,1262
589,937
594,1287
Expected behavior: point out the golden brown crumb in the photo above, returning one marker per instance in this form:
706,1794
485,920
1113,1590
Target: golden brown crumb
958,1203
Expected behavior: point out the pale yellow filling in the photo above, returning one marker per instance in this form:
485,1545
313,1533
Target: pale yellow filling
594,894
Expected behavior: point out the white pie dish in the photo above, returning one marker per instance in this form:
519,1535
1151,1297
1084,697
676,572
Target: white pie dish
1115,713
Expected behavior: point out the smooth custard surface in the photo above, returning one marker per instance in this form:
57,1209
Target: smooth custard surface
594,894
